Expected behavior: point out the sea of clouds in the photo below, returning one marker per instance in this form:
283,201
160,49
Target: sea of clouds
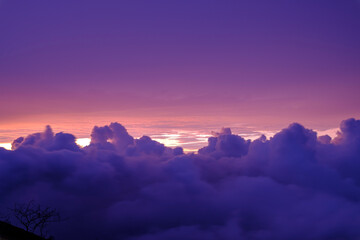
295,185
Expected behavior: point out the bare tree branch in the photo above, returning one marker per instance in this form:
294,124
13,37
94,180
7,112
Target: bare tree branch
34,218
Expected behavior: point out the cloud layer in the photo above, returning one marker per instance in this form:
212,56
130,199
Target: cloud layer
295,185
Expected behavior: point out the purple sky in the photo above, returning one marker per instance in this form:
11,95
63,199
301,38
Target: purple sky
177,64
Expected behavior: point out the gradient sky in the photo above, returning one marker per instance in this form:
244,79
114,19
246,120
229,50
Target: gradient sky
249,65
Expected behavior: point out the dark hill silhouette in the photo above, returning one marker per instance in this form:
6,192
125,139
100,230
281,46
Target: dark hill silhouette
10,232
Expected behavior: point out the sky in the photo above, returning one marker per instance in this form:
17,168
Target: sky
165,67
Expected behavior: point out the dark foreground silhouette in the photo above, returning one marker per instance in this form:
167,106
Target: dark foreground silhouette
10,232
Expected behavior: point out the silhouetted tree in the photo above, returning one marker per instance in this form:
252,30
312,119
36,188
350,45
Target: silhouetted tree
35,218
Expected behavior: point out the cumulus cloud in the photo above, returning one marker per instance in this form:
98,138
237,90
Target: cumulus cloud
295,185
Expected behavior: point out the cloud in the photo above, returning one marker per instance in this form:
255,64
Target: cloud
295,185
